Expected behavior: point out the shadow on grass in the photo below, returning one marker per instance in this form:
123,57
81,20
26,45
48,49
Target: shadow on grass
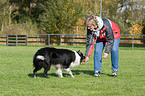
75,72
51,74
88,72
107,74
41,75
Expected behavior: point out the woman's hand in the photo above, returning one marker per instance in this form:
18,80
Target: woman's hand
105,55
86,59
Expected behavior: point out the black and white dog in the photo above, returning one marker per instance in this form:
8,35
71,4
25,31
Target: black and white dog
60,58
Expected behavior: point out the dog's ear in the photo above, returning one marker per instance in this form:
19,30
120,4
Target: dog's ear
79,52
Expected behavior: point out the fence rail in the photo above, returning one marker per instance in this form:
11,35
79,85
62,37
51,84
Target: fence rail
64,39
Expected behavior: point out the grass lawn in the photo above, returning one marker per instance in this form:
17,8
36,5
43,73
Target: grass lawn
16,77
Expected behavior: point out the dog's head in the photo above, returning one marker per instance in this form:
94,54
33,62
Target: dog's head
81,55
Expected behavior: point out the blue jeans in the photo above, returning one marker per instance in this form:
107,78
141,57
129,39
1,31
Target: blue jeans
99,46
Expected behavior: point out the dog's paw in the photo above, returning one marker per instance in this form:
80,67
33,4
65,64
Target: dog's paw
72,76
46,76
60,76
34,76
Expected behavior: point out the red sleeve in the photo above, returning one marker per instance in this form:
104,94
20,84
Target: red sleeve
116,30
92,47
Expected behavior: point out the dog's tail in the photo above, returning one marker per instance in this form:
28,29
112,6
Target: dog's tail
40,57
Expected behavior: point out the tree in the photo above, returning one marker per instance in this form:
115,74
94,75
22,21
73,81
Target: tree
4,14
60,16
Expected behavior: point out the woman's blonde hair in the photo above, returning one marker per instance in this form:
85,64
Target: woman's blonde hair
90,18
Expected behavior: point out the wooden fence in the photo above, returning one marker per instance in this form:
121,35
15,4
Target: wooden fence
64,39
13,40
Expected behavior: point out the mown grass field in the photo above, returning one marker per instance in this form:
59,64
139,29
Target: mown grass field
16,77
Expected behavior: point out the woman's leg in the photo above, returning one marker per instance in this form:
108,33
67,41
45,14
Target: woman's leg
99,46
115,55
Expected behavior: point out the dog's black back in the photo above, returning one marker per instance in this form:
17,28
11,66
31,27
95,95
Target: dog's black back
55,56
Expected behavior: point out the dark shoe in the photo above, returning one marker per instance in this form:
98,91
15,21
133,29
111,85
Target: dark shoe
114,73
97,74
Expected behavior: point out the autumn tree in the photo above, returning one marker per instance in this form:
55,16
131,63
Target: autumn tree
59,16
4,14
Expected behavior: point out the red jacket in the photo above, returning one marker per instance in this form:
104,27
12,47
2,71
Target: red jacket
116,30
108,33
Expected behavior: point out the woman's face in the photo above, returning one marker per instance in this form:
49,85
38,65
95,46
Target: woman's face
91,27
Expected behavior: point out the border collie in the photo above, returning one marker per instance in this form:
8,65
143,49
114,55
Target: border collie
60,58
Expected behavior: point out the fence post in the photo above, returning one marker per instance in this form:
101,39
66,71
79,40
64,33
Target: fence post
37,39
7,40
132,41
26,39
48,39
73,39
60,38
16,40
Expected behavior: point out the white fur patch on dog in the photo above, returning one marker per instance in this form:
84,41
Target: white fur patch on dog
77,60
40,57
58,70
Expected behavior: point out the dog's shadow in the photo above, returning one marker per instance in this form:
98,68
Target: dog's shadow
53,74
41,75
75,72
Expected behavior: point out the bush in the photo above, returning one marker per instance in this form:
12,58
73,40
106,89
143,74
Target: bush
136,28
22,28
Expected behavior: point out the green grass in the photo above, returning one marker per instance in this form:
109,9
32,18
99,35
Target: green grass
16,77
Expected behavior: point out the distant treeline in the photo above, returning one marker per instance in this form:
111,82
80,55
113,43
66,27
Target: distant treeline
60,16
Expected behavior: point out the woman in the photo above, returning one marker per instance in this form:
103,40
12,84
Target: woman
102,33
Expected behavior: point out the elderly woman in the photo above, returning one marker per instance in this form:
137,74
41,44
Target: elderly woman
102,33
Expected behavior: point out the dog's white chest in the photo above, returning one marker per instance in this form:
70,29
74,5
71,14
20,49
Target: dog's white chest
77,60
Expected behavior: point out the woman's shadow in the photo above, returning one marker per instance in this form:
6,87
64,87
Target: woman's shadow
88,72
